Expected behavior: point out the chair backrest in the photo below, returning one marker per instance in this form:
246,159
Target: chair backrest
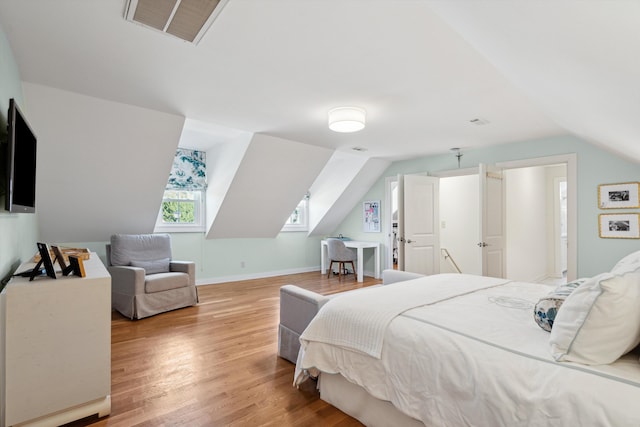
337,251
126,248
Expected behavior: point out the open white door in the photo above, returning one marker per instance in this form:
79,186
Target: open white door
492,223
419,248
401,211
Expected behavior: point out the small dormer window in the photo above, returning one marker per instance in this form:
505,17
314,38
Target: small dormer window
183,207
299,218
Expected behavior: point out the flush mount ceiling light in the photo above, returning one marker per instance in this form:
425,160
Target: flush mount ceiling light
185,19
346,119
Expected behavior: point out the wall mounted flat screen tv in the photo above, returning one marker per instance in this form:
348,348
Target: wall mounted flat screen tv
21,162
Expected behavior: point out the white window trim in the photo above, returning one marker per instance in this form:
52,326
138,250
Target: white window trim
299,227
183,228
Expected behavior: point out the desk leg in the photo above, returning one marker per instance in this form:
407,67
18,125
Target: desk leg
323,259
360,265
376,255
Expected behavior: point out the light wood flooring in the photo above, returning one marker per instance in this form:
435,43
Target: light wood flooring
215,364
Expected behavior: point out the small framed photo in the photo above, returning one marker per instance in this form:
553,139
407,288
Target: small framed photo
371,216
619,196
620,226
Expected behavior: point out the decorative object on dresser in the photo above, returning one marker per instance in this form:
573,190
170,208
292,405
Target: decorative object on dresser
146,280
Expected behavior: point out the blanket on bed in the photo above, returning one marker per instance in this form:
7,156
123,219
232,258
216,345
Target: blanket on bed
348,321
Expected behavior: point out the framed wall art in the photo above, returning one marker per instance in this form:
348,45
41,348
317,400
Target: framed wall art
619,226
371,216
619,196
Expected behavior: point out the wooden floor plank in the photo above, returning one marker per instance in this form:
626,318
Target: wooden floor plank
216,364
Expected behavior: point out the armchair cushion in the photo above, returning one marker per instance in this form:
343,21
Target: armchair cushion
140,247
165,281
153,266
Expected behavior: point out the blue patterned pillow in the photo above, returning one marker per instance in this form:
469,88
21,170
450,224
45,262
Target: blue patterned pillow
547,308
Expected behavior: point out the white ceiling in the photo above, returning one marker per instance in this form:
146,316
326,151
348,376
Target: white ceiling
421,69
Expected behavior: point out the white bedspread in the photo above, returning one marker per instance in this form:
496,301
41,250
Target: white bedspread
480,360
349,322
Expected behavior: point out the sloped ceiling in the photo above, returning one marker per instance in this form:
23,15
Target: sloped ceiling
102,166
272,178
423,70
575,59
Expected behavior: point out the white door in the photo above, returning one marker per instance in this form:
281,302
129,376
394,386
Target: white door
492,224
419,248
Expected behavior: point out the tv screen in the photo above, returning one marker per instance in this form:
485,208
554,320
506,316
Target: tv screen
21,162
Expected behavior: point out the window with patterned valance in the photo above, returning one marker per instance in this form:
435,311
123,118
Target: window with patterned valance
189,170
182,208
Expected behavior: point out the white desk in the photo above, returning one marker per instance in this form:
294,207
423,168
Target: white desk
360,246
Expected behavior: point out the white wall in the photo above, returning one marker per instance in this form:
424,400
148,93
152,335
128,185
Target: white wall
459,223
18,232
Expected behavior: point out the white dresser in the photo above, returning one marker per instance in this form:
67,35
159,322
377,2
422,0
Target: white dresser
55,347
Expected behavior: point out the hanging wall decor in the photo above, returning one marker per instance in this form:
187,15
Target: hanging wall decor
620,226
371,216
619,196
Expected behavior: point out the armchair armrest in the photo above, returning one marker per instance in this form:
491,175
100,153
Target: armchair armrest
127,280
188,267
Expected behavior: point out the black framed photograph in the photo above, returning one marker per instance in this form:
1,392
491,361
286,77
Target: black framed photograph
619,196
45,259
620,226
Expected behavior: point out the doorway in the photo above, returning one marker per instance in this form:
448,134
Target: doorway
537,196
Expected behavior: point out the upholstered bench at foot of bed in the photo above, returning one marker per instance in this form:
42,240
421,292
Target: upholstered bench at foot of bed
298,306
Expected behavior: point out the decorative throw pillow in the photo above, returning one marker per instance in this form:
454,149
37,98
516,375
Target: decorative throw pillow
547,308
600,320
153,266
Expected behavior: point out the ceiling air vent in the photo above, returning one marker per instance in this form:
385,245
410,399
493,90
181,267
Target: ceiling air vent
186,19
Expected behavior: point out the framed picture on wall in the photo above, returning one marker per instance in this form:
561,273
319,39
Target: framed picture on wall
371,216
620,226
619,196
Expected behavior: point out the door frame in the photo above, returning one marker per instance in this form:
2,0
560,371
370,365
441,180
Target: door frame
571,160
572,204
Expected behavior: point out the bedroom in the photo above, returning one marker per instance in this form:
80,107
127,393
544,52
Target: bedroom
220,259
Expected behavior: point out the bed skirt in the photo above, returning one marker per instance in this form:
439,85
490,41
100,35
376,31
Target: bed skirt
356,402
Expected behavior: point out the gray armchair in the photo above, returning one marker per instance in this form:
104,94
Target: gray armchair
145,280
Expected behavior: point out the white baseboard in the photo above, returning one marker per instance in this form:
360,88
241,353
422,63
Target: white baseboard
240,277
262,275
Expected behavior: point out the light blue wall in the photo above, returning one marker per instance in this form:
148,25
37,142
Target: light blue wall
220,260
594,166
18,232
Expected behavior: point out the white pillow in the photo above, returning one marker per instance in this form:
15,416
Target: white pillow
627,264
600,320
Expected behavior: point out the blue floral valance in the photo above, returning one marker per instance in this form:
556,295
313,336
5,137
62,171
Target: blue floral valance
189,170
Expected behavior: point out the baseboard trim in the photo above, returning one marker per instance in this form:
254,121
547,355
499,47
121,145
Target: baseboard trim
261,275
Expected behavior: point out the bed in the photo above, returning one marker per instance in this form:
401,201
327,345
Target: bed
463,350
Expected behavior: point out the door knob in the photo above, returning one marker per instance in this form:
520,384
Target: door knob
409,240
482,245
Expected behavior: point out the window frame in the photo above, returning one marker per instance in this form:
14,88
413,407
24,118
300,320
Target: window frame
199,214
304,226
